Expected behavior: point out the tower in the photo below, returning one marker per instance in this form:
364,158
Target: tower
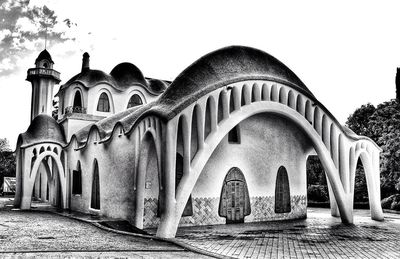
42,77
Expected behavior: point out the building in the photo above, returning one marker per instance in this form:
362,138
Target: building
225,142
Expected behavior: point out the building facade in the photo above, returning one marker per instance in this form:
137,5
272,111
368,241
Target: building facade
226,142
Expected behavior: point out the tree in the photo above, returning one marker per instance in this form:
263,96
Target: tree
4,145
7,160
317,189
358,121
381,124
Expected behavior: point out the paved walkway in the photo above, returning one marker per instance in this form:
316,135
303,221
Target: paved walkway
318,236
45,234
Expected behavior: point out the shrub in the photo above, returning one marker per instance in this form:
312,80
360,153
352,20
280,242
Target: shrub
317,193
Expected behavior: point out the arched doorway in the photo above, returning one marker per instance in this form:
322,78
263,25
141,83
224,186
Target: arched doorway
234,202
282,191
148,207
46,182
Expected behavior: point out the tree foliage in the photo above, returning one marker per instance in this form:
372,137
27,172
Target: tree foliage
317,189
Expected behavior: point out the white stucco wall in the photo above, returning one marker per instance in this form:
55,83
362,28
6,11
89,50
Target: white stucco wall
116,172
267,142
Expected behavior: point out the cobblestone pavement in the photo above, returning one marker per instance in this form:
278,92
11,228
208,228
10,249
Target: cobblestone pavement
318,236
43,234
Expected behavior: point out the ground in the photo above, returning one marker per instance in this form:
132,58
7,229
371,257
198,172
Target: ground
45,234
35,233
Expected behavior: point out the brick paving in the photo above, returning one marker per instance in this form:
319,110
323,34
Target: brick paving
43,234
318,236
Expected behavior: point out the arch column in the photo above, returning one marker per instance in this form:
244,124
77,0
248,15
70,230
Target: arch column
168,220
372,173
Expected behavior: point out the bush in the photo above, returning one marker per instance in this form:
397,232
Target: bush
395,206
387,202
317,193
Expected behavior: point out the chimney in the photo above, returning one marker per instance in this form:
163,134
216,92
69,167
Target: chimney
85,61
398,84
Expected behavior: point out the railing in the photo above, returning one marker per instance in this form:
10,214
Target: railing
74,109
44,72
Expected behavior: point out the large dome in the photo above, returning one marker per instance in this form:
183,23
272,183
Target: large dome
127,74
228,65
43,128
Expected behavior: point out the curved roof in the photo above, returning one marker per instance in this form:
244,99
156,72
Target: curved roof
127,74
43,128
228,65
121,77
212,71
44,55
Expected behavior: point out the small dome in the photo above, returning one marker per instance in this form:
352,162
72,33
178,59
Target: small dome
157,86
43,128
44,55
91,77
127,74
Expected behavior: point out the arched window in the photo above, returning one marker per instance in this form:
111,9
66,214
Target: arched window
134,101
77,180
282,191
104,104
95,201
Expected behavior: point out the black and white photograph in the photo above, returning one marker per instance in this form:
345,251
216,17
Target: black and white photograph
199,129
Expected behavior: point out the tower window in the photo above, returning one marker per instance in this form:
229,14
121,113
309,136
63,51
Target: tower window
45,65
134,101
103,104
77,99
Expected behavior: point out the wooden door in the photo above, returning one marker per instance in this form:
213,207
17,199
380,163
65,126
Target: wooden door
234,202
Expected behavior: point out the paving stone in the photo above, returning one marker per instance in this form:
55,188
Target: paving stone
318,236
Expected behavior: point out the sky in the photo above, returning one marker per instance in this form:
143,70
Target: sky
346,52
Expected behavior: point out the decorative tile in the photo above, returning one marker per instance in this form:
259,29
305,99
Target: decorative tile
150,218
205,210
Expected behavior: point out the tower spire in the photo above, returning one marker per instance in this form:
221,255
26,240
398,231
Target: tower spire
45,39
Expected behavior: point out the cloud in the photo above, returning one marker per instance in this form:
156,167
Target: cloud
23,29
